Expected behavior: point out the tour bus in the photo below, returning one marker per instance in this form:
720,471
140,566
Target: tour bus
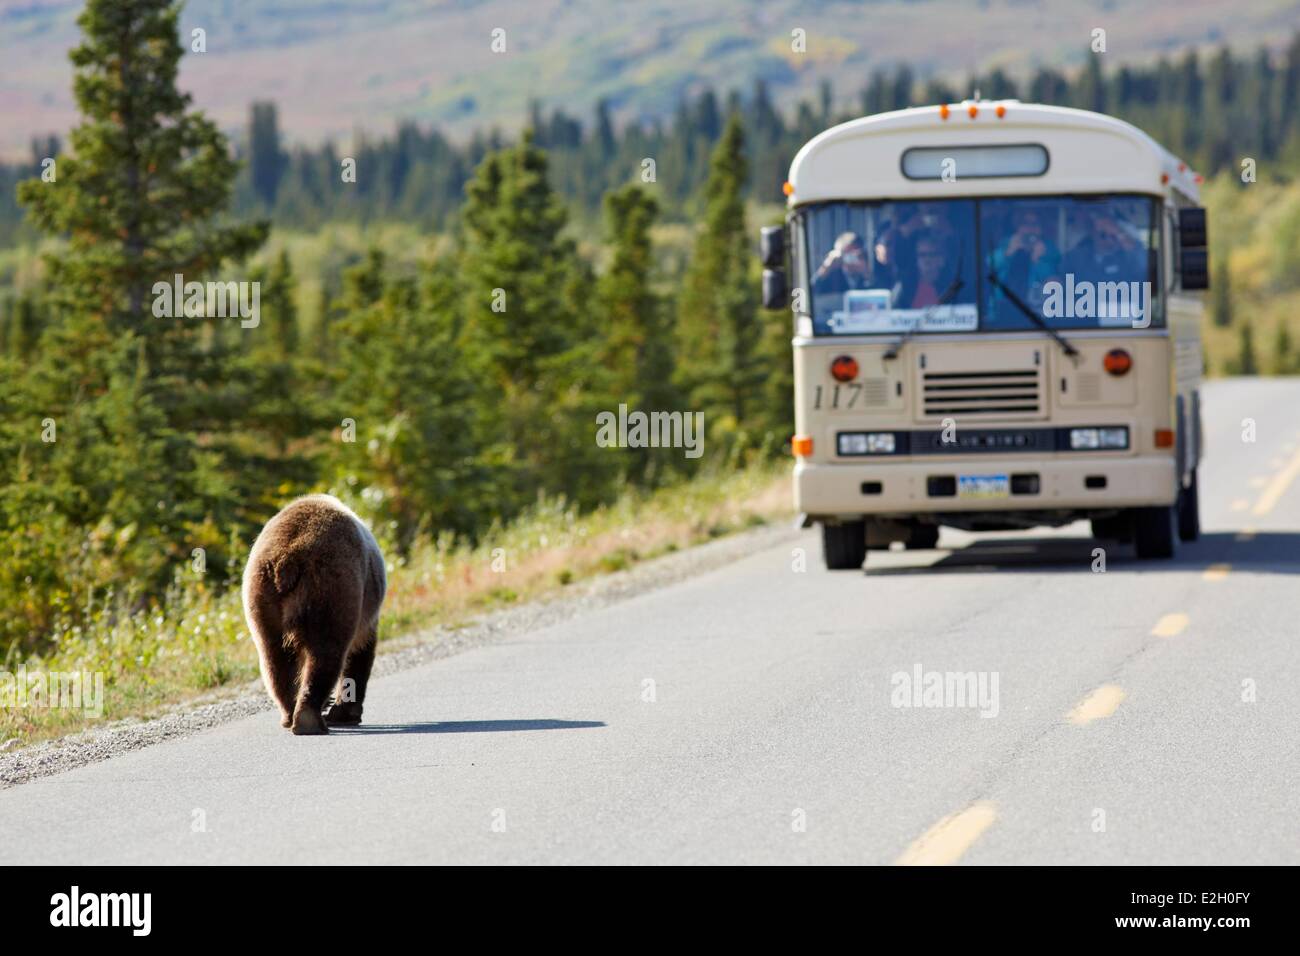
996,326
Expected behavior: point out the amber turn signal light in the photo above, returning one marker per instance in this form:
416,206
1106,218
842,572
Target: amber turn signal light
1164,438
844,368
801,445
1117,362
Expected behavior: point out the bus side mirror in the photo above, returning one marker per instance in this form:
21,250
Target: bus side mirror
1193,259
1191,228
1194,265
772,246
774,289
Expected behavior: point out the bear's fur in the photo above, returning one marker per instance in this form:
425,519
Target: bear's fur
313,586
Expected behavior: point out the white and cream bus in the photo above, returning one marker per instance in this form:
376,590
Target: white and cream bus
996,327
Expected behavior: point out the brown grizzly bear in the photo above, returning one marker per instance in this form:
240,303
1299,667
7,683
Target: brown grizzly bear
312,590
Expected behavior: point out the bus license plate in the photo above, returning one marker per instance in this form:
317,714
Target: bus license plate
983,486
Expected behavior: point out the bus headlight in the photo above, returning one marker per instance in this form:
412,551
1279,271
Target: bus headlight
866,443
1082,439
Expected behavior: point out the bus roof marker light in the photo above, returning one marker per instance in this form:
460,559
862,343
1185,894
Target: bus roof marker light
1001,111
788,188
943,111
973,110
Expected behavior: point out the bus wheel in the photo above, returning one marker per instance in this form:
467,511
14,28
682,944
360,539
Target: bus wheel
1189,511
922,537
1117,528
1153,532
844,546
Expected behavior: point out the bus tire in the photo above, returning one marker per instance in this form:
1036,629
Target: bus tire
1153,532
1189,511
922,537
844,546
1116,528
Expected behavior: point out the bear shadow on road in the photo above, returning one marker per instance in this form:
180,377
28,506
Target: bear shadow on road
467,726
1265,552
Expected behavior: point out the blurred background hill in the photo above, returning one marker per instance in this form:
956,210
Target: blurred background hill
338,67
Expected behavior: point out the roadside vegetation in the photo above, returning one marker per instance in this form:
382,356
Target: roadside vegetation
190,642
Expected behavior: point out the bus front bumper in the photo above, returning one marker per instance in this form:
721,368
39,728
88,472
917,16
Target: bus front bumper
910,487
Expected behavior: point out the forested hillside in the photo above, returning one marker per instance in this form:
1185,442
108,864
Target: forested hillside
1213,110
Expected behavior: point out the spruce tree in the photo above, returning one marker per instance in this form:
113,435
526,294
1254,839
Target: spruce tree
1284,363
137,201
147,175
530,329
1221,295
417,461
636,344
717,320
1246,362
265,159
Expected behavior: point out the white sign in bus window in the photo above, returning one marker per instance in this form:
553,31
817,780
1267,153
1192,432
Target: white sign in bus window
868,311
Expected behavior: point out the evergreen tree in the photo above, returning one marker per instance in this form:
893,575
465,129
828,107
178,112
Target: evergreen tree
718,328
137,200
1221,294
418,461
636,343
265,159
1246,363
1284,363
528,329
147,175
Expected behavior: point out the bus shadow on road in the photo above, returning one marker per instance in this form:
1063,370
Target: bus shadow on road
468,726
1264,552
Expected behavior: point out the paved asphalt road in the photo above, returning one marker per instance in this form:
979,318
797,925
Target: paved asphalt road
1120,736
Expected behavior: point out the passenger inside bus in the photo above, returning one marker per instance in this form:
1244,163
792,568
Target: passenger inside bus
1107,251
1027,258
845,267
931,277
895,248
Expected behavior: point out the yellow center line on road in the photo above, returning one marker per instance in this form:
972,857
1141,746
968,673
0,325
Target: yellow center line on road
945,842
1100,703
1216,572
1171,625
1277,487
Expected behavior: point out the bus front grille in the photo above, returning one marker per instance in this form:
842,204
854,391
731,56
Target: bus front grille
996,392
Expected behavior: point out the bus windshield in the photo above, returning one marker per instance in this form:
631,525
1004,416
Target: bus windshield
965,265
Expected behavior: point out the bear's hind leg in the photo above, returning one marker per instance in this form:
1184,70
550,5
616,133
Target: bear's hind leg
357,670
279,664
320,673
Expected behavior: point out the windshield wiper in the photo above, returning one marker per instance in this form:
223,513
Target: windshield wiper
949,294
1033,316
